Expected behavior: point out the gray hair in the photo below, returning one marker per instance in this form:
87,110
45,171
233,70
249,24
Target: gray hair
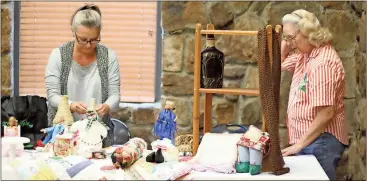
309,25
87,17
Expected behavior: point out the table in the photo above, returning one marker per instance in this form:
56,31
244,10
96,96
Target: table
8,173
305,167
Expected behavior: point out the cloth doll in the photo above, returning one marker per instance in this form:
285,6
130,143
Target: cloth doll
250,151
89,133
12,129
128,153
165,126
52,132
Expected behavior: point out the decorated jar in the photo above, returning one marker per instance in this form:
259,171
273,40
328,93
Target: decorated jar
63,145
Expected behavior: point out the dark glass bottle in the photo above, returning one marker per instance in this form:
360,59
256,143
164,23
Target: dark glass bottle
212,65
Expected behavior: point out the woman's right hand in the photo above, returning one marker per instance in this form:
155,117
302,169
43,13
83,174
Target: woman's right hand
78,107
285,50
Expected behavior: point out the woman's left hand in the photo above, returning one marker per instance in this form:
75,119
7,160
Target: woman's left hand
103,109
292,150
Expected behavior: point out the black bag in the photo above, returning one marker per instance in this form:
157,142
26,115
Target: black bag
31,113
226,128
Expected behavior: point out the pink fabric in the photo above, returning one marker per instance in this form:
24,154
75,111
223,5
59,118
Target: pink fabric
217,152
5,148
11,131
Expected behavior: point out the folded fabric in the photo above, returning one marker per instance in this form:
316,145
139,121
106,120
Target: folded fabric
33,170
75,169
217,152
171,170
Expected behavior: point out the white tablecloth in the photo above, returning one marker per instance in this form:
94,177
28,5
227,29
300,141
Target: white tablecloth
304,167
8,173
301,168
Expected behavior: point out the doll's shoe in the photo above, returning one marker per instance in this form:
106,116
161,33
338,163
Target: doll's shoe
150,158
40,144
255,169
242,167
159,156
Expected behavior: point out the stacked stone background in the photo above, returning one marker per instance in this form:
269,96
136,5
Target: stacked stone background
346,20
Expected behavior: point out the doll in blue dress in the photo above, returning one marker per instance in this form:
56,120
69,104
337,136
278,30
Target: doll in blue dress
165,126
51,132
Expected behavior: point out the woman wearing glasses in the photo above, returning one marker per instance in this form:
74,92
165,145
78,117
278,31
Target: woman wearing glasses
315,115
84,69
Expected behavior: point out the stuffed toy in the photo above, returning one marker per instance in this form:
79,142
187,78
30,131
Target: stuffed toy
165,126
128,153
250,151
89,132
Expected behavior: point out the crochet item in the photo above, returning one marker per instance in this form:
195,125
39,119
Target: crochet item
128,153
269,80
184,144
63,110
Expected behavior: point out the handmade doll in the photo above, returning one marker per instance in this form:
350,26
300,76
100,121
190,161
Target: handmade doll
12,129
127,154
90,132
52,132
250,151
165,126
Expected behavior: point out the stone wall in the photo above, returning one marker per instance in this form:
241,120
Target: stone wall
346,21
5,48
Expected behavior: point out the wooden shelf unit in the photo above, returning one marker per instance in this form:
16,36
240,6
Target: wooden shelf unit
209,92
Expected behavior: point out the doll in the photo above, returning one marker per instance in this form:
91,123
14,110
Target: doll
12,129
250,151
165,126
89,132
52,132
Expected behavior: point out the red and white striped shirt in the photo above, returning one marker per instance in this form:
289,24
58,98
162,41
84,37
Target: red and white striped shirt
318,80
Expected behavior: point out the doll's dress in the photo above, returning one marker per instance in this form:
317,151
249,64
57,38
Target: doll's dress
52,132
11,131
165,126
5,148
88,140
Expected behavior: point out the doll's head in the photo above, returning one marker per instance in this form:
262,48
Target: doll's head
92,115
170,105
13,122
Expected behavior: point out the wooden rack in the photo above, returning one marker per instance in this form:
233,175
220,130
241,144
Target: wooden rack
209,92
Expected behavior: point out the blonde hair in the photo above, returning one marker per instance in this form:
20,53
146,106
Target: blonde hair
12,118
309,25
88,15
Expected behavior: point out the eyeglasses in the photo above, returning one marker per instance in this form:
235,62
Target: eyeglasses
289,38
84,42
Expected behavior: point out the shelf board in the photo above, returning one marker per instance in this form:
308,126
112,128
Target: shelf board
235,91
229,32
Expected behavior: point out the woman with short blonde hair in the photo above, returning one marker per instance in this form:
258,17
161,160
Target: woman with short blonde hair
84,69
315,115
